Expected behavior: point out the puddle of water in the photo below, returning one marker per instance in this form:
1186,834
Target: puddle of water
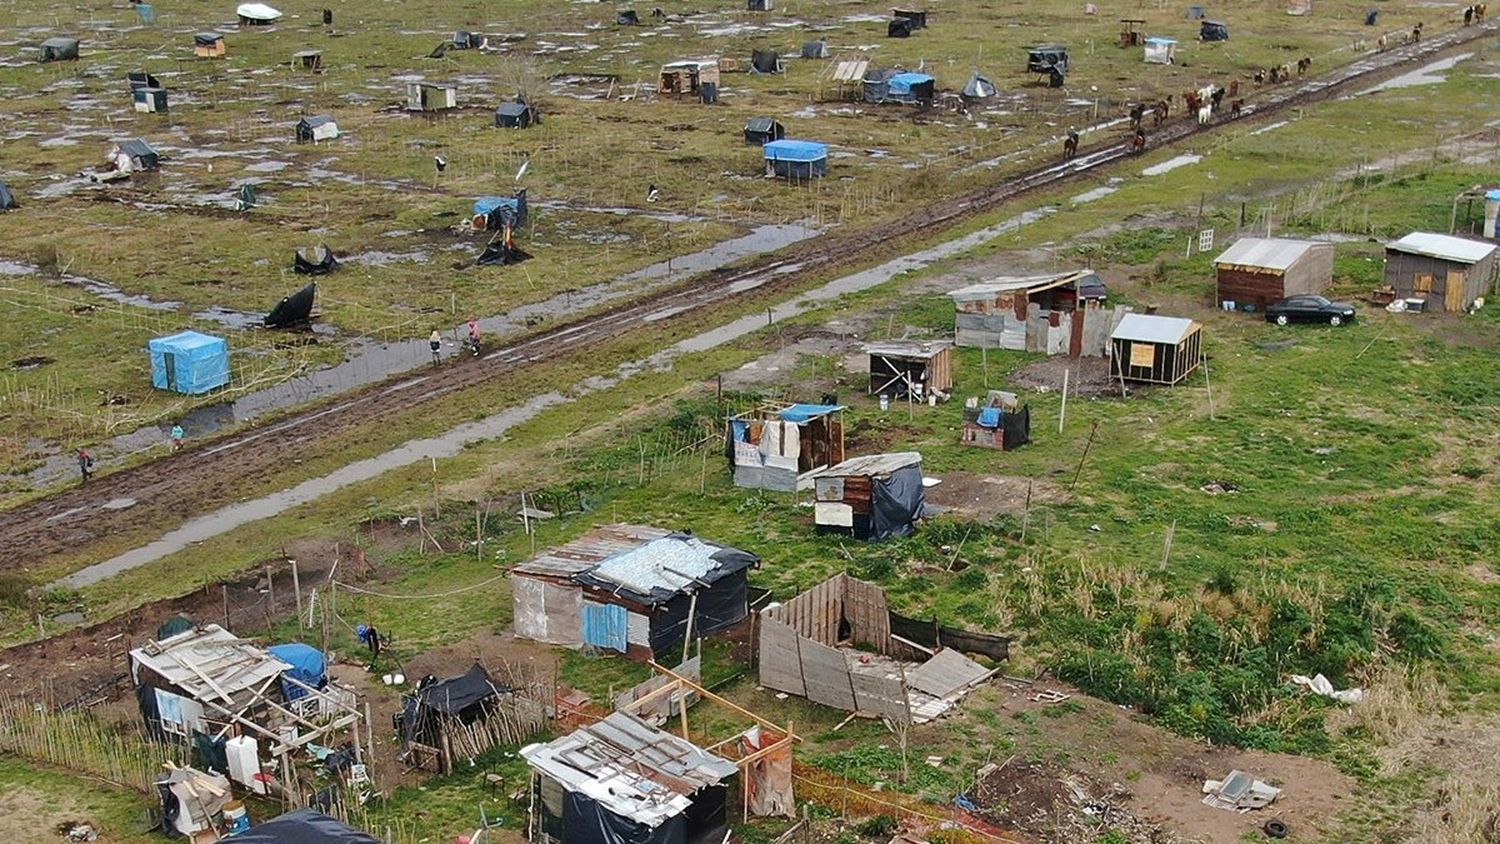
233,516
1429,74
1091,195
1171,164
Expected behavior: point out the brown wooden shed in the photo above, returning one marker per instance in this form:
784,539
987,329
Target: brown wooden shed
1257,271
1448,272
1155,349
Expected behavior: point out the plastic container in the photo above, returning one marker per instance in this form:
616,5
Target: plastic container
236,819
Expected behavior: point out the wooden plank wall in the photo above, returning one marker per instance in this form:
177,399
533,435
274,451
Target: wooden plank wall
868,614
815,614
780,657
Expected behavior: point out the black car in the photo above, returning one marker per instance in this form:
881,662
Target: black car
1309,309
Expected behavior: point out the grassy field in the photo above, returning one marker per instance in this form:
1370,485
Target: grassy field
373,195
1359,542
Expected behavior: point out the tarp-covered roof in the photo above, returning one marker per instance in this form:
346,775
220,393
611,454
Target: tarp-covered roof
304,826
1158,41
136,148
308,665
1443,246
257,12
588,550
315,120
902,83
761,124
7,199
799,413
1266,253
456,694
1149,328
979,87
1031,284
489,204
512,109
184,341
666,567
207,39
789,150
209,660
908,349
630,768
61,43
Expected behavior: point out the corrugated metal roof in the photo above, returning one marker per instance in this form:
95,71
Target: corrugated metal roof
1007,284
233,664
908,349
870,464
1268,253
1445,247
630,768
589,550
1145,328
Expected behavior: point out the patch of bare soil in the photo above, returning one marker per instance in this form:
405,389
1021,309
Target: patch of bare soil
983,497
1057,804
1086,376
833,371
1157,777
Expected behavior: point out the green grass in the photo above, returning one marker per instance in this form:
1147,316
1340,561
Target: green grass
36,799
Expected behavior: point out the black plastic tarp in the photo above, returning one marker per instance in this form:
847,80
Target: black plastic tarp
898,28
587,822
304,826
502,251
1016,427
895,503
764,61
761,130
932,635
209,753
141,79
7,199
319,261
466,698
719,606
145,698
294,309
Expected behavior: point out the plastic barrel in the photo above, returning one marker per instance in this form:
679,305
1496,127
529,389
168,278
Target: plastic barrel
236,819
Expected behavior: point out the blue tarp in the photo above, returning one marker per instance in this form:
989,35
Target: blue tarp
189,362
989,417
785,150
487,204
799,413
307,667
901,84
605,626
1155,41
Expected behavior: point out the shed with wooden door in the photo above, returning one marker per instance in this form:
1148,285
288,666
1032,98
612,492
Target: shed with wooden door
1256,271
1155,349
1449,273
912,370
874,497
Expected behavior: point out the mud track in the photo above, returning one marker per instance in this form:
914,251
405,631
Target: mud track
171,489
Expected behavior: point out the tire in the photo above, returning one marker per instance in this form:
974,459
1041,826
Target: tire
1275,829
1282,319
1335,320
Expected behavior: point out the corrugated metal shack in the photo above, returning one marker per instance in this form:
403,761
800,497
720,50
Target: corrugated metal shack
770,446
874,497
621,779
1156,349
1054,314
631,588
908,670
899,369
1448,272
1257,271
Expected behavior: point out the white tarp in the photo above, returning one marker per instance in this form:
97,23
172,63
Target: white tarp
257,12
1320,685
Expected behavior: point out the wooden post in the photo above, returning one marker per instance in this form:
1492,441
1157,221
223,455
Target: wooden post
1062,412
297,591
1209,384
687,635
1086,446
224,589
984,360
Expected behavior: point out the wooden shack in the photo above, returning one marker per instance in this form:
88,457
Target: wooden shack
1257,271
687,77
912,370
1155,349
771,446
1448,273
873,497
425,96
1054,314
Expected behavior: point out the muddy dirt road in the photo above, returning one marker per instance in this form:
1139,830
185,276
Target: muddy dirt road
140,503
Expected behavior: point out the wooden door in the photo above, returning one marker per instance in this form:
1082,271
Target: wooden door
1423,285
1453,292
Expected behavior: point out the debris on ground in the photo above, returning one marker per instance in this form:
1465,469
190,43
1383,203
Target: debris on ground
78,831
1319,684
1048,696
1238,792
1056,804
1220,487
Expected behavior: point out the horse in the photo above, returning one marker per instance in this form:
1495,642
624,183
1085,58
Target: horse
1260,76
1303,64
1159,113
1216,98
1205,114
1479,10
1382,43
1416,33
1234,88
1137,114
1235,107
1070,146
1138,143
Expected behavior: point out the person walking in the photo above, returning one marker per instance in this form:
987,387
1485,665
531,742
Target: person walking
474,335
177,437
435,342
85,464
